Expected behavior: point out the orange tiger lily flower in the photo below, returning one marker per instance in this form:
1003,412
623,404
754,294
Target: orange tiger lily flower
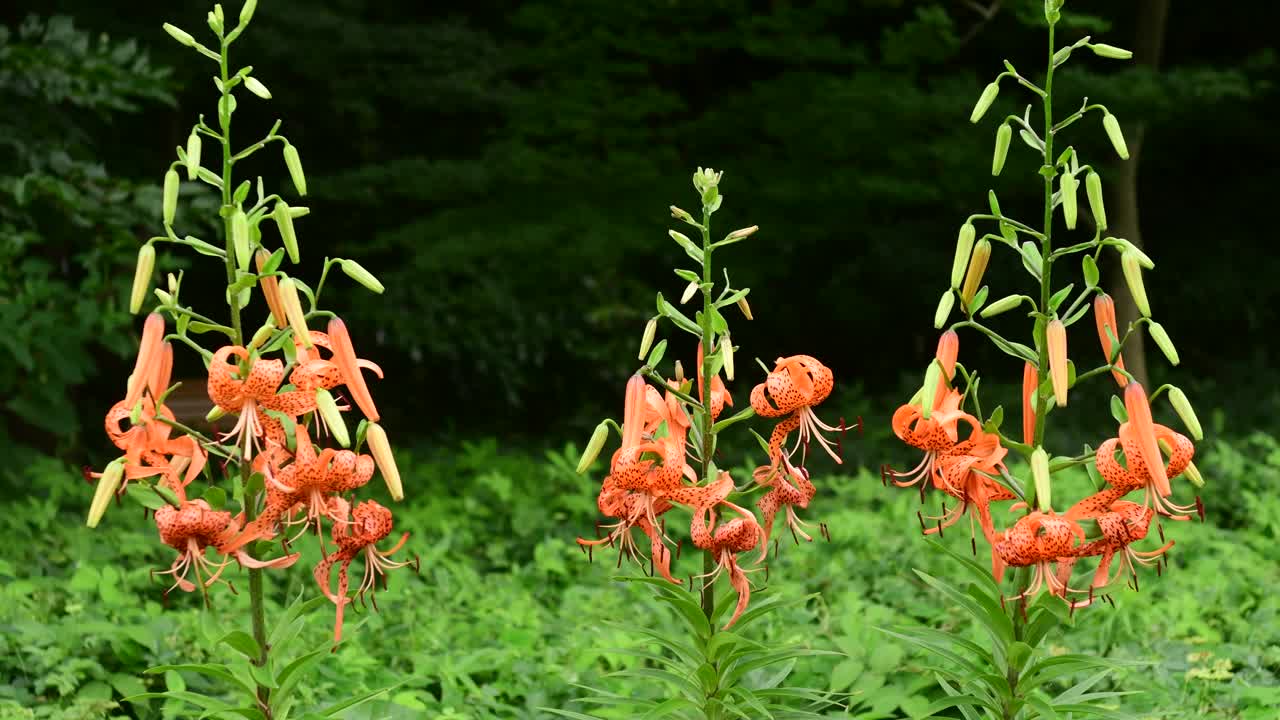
739,535
1137,474
193,528
1104,315
935,435
359,535
1037,540
344,357
252,394
1122,525
152,368
959,473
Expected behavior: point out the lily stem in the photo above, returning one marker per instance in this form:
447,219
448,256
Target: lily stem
708,427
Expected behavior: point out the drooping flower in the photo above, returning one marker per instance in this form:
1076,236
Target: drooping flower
193,528
1137,474
1038,540
937,433
960,471
358,533
1123,524
739,535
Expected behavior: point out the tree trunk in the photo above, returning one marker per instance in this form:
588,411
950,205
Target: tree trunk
1147,49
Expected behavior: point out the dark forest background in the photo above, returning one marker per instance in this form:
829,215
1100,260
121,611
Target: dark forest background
505,169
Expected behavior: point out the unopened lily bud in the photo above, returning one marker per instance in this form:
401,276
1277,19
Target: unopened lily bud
294,164
246,11
1004,304
1110,51
1004,134
270,289
943,311
1030,384
283,215
142,276
108,484
679,372
681,215
381,451
292,307
1067,188
170,196
745,307
262,335
215,414
1112,126
1164,342
255,86
240,238
1040,473
1182,406
1193,475
180,35
726,352
646,339
929,392
1056,338
1093,189
173,283
215,23
594,445
1132,268
984,101
964,248
689,290
977,268
356,272
193,155
332,417
1143,259
742,233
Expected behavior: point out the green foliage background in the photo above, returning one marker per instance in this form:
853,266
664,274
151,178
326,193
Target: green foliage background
504,167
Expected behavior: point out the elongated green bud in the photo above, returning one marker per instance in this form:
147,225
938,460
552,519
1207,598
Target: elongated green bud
726,352
193,155
255,86
689,290
1003,135
283,215
215,23
215,414
356,272
246,11
1132,268
745,307
987,97
1003,305
1040,473
929,393
1193,475
108,484
1182,406
262,335
1164,342
964,247
380,448
742,233
181,36
1067,187
594,446
682,215
1110,51
1089,266
170,197
142,276
943,311
977,268
646,339
1056,340
1093,189
294,164
332,417
1112,126
292,307
240,238
1143,259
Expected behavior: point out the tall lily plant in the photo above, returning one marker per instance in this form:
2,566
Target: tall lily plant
1034,583
288,464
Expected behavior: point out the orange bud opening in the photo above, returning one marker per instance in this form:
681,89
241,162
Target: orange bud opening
1104,314
1139,409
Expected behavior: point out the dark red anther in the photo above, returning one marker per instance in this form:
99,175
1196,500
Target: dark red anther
920,517
884,475
922,492
826,532
1135,582
619,566
650,573
590,554
1200,508
231,586
87,471
859,424
794,537
1159,569
973,545
940,523
775,547
766,572
1160,529
679,547
1002,601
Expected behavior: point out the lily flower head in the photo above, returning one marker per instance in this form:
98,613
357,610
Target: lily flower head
1122,525
961,470
369,524
193,528
739,535
1037,540
1137,474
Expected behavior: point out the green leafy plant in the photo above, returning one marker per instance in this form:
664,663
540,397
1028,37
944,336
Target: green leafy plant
965,448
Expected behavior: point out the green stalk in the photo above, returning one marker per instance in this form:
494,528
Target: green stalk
708,430
256,607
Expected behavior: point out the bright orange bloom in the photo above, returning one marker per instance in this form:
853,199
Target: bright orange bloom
193,528
1122,525
1136,474
739,535
961,470
1037,539
357,534
1104,314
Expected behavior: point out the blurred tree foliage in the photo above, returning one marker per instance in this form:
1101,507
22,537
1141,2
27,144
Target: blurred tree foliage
68,227
505,168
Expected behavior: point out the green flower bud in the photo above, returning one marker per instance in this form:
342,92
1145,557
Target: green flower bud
1040,472
283,215
108,485
255,86
332,417
929,392
240,238
977,268
246,11
726,352
945,303
262,335
964,247
1093,190
1112,126
215,414
180,35
682,215
594,446
170,196
1132,268
689,290
356,272
1182,406
984,101
142,276
380,448
1004,304
646,339
745,307
215,23
294,164
1143,259
1067,191
1193,475
193,155
1164,342
1003,135
1110,51
1090,269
